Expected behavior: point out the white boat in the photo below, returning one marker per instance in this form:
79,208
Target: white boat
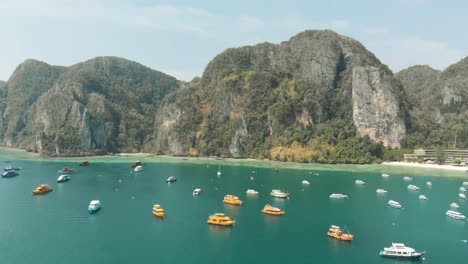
359,182
305,182
462,189
422,197
406,178
413,187
465,183
196,191
455,214
219,171
429,183
279,194
251,192
454,205
385,175
462,196
338,196
94,206
381,191
63,178
394,204
138,168
399,250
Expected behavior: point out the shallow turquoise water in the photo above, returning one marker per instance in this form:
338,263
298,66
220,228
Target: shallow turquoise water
56,228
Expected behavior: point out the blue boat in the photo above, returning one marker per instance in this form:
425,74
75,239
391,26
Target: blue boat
9,174
94,206
10,168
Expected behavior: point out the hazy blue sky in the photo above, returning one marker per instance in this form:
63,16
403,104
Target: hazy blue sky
180,37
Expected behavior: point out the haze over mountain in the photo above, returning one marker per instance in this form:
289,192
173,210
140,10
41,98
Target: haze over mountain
320,94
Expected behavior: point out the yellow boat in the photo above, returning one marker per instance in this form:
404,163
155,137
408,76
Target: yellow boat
335,232
43,188
220,219
268,209
158,210
231,199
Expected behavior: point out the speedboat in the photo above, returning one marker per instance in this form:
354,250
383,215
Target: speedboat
67,170
231,199
94,206
454,205
220,219
42,189
171,179
462,196
10,168
305,182
158,210
422,197
399,250
9,174
251,192
138,168
279,194
63,178
394,204
359,182
462,189
429,183
455,215
338,196
381,191
385,175
413,187
196,191
336,232
268,209
406,178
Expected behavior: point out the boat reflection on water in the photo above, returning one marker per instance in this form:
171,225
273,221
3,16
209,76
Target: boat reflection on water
224,230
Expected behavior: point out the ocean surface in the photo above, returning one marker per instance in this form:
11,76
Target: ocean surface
56,227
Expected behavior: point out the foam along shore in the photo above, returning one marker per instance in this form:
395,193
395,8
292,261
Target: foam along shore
426,166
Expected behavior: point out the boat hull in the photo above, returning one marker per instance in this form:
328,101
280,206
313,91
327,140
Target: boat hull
273,212
344,237
94,210
221,223
41,192
414,256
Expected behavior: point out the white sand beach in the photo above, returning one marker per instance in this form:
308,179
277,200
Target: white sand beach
426,166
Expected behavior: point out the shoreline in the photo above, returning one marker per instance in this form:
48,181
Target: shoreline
396,168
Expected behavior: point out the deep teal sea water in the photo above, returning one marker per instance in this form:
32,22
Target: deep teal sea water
56,227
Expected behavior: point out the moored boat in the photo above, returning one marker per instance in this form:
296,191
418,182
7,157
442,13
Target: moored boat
9,174
462,189
196,191
66,170
455,215
465,183
381,191
305,182
462,196
422,197
454,205
219,171
360,182
394,204
84,163
136,163
251,192
138,168
94,206
171,179
385,175
338,196
220,219
63,178
231,199
11,168
406,178
429,183
42,189
268,209
158,210
413,187
279,194
336,232
399,250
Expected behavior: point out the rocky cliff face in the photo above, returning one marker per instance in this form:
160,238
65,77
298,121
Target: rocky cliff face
93,107
253,97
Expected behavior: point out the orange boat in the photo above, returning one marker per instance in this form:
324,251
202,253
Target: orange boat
220,219
231,199
43,188
335,232
158,210
268,209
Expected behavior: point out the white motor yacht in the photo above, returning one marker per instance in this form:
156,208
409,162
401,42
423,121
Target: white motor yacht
381,191
360,182
385,175
399,250
279,194
305,182
462,196
394,204
422,197
465,183
196,191
413,187
406,178
429,183
251,192
455,215
454,205
462,189
338,196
